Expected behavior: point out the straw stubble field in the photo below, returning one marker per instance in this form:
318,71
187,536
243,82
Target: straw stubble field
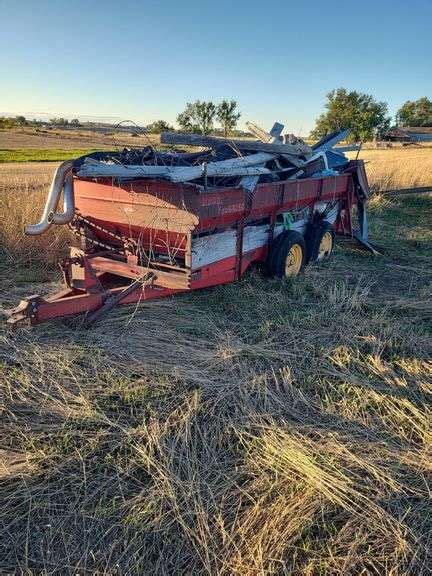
263,427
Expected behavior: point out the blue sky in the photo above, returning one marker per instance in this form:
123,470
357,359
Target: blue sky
143,60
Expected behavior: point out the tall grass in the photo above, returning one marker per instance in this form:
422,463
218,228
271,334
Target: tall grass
22,203
395,168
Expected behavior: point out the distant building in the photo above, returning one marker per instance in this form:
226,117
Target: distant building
409,134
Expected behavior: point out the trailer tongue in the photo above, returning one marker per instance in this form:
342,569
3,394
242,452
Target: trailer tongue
156,229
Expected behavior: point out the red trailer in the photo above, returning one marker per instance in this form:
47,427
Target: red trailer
144,239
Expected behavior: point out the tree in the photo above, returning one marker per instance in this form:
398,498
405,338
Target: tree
20,120
75,122
416,113
185,121
361,113
6,122
158,127
227,116
197,117
59,121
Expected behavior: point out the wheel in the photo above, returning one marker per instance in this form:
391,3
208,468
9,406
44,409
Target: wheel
273,251
291,255
320,242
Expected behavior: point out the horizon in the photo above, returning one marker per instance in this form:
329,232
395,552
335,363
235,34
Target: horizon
112,120
143,62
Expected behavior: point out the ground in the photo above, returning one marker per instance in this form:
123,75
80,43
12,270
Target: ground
262,427
30,144
40,139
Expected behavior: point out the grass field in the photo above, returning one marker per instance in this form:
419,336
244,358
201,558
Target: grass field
41,155
393,168
262,427
30,145
69,139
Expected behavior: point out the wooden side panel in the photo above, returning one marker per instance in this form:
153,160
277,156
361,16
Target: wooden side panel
218,273
221,207
173,280
137,205
297,194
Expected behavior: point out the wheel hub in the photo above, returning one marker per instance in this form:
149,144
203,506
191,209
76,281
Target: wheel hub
293,261
325,246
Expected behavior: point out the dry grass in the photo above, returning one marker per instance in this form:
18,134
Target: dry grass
22,198
256,428
393,168
27,175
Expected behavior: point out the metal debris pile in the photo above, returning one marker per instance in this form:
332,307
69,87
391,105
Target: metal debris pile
223,162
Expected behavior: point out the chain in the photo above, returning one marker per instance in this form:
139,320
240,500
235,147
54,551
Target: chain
76,227
129,246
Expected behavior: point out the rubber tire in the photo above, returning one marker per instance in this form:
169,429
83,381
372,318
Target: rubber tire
313,241
271,258
287,242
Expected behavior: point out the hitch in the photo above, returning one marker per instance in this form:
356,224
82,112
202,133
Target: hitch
88,291
27,308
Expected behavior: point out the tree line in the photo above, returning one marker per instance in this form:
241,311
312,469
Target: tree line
199,117
366,117
361,113
20,121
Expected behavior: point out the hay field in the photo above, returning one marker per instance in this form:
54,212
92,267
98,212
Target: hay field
398,167
262,427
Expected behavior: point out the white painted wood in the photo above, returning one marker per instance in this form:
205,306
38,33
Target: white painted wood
219,172
254,237
249,183
94,169
273,138
212,248
246,166
261,134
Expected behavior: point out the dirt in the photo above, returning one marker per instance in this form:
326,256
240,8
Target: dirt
65,139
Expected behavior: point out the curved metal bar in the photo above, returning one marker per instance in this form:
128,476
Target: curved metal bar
68,202
48,215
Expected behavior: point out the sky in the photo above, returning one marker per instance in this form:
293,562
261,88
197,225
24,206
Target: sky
143,60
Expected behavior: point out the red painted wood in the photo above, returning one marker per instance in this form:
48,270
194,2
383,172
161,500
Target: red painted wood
161,211
223,277
257,255
219,267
